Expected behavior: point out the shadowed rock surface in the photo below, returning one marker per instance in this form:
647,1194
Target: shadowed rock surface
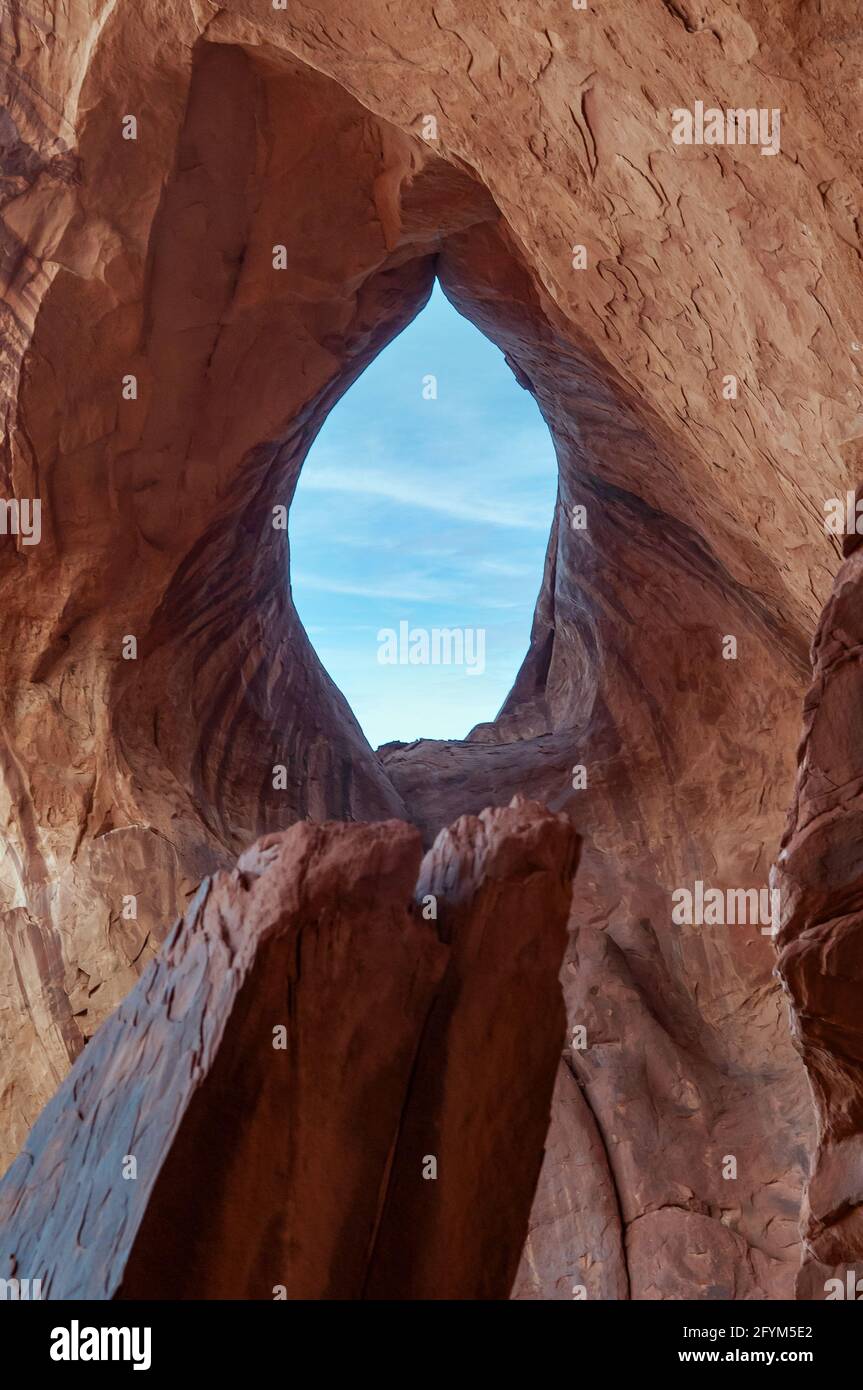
297,1159
819,873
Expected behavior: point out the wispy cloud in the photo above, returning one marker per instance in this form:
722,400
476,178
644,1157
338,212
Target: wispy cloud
506,571
428,495
416,590
433,511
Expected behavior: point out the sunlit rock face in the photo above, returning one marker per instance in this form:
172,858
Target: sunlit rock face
698,364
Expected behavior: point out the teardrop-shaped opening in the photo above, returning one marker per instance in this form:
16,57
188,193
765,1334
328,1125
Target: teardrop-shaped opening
419,529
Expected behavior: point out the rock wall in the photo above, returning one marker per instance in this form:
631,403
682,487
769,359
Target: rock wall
299,1099
820,876
304,129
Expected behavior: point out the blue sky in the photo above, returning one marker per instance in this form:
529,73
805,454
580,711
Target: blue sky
430,512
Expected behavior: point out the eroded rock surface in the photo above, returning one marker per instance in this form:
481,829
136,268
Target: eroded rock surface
303,128
819,873
262,1110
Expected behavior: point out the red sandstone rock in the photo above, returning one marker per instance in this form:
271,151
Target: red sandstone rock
504,883
819,874
259,1113
303,128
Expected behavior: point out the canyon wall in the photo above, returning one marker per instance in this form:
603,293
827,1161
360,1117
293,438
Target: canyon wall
819,873
297,179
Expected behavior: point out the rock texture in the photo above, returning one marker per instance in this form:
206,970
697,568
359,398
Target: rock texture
305,128
257,1119
819,873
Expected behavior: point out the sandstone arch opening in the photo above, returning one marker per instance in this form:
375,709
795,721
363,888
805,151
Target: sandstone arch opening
418,532
162,770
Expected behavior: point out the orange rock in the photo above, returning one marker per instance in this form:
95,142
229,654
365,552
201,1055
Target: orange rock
301,1097
701,377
